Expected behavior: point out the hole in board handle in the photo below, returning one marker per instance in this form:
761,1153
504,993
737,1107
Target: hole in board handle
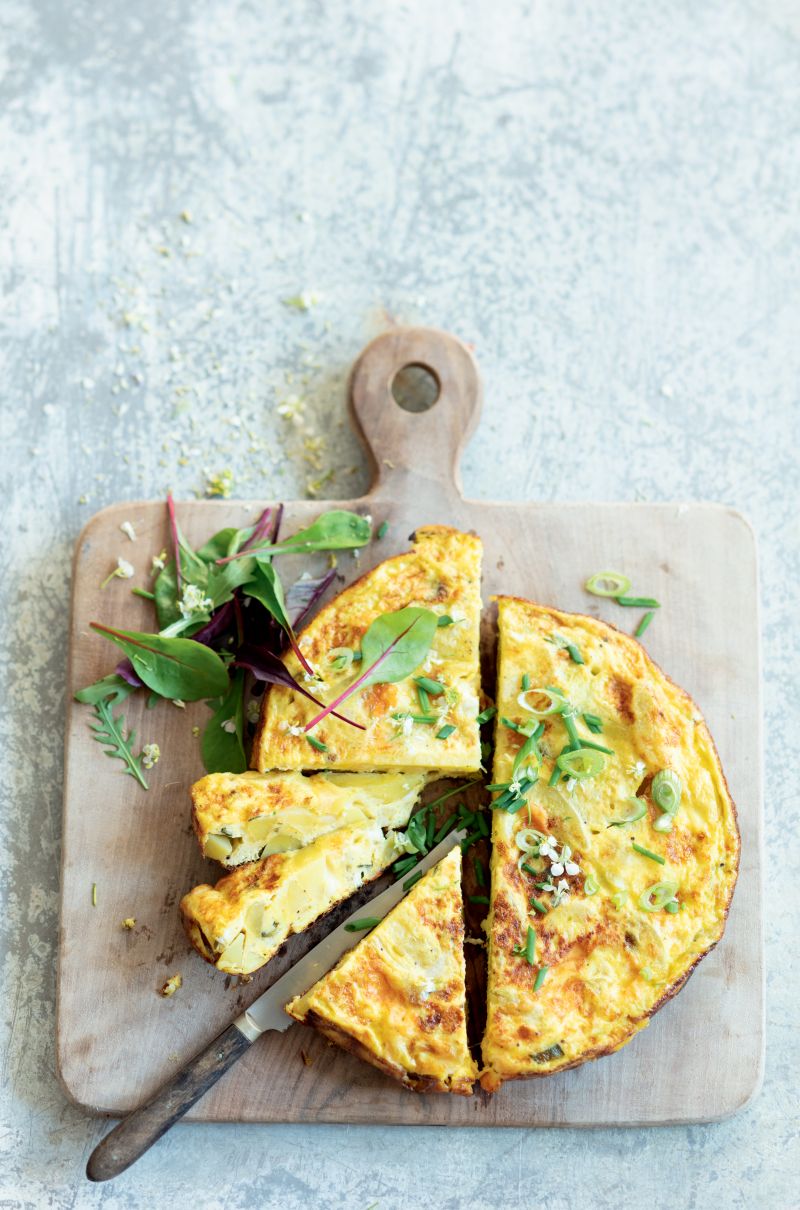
415,388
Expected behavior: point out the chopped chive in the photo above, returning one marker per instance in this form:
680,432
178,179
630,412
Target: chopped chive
672,907
646,853
574,653
540,977
409,882
434,688
529,869
568,718
639,602
480,876
445,620
142,592
645,622
526,682
94,894
404,865
430,830
499,785
593,722
424,700
469,841
529,948
444,829
383,529
366,922
485,715
478,898
465,785
317,743
417,718
445,731
585,743
555,776
537,905
483,826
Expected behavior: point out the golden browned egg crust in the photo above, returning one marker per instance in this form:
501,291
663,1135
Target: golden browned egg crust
241,817
441,573
613,954
398,999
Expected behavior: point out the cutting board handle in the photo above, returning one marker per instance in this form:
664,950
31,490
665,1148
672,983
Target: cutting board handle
416,455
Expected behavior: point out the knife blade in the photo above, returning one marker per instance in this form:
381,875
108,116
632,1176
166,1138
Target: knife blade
137,1132
267,1013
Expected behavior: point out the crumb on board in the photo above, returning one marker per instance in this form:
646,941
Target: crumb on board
171,986
307,1060
129,923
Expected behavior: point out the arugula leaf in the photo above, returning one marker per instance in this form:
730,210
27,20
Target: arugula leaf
222,749
110,732
394,645
266,588
173,668
114,687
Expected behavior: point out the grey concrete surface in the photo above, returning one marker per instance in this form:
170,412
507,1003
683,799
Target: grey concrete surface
604,199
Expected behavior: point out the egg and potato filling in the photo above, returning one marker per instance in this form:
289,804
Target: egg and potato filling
607,888
398,998
240,923
402,729
241,817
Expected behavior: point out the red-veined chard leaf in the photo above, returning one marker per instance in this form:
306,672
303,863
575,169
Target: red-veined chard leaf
268,667
334,530
173,668
394,645
266,588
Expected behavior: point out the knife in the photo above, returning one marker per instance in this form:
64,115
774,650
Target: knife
137,1132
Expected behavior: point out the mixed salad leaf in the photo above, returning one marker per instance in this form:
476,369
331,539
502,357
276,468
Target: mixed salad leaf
221,610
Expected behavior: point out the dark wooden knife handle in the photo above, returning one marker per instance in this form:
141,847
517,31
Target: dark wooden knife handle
136,1133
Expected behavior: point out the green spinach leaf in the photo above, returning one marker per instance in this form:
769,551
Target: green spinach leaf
223,738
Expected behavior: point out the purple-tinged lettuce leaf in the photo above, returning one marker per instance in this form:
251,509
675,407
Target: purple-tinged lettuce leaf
266,666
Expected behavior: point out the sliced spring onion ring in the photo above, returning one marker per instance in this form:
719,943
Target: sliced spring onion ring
528,839
666,791
590,885
638,811
672,907
607,584
658,896
585,762
618,898
556,702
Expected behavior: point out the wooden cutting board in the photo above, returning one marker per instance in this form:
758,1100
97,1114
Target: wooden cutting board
702,1056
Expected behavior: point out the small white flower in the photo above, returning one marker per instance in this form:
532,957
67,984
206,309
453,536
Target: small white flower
571,868
408,725
637,769
124,569
230,726
159,562
556,869
193,602
150,755
128,530
176,701
296,730
253,710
